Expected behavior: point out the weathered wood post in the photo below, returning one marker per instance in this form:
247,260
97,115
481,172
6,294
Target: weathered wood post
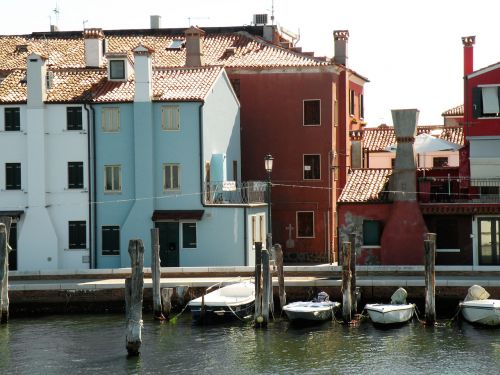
354,290
133,297
258,283
156,273
346,282
281,276
166,300
430,278
267,285
4,270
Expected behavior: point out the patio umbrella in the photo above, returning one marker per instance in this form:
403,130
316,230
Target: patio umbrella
427,143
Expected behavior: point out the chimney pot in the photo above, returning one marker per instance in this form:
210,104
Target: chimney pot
155,21
340,38
468,42
194,46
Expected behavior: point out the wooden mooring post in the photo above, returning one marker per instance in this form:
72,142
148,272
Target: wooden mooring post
430,278
354,290
156,274
346,282
5,221
258,284
166,300
278,251
134,286
267,284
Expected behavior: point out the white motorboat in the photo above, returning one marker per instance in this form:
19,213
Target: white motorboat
396,312
319,309
233,301
477,308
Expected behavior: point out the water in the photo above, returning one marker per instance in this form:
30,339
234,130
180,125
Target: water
95,344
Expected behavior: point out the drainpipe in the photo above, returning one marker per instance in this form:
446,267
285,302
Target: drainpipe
200,119
89,184
245,236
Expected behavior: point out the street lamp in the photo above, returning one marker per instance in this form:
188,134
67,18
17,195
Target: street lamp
268,164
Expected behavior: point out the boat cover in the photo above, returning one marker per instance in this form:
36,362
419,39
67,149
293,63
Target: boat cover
476,292
399,297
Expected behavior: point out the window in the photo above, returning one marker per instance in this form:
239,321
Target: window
440,162
361,106
13,176
110,119
12,119
486,101
110,240
112,178
312,112
117,69
235,170
371,233
170,117
312,167
75,175
305,224
77,234
171,177
189,235
74,118
351,102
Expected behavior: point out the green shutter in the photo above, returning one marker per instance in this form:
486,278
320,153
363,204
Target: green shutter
477,102
371,233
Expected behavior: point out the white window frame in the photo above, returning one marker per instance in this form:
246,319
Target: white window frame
171,166
110,119
297,224
111,63
114,168
170,117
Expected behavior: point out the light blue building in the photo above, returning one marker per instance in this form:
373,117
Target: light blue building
167,155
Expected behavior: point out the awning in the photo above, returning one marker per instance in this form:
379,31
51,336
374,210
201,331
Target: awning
12,214
177,215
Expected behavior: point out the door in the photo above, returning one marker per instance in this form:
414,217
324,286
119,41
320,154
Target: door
489,241
169,243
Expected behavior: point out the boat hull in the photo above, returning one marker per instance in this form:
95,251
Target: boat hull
484,312
220,314
310,311
390,314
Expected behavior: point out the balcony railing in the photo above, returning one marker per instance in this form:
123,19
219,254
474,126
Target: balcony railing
448,190
223,193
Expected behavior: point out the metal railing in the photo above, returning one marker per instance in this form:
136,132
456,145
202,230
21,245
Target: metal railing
249,192
446,190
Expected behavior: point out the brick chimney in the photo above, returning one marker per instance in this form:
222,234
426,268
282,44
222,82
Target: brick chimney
194,46
340,38
93,47
468,42
143,74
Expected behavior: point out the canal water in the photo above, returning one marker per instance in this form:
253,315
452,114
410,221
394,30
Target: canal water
95,344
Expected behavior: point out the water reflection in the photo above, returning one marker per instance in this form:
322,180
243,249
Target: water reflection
96,344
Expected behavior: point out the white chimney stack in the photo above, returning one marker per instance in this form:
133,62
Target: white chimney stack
36,80
155,22
93,47
143,74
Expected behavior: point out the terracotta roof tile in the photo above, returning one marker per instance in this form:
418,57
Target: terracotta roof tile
13,87
455,111
377,139
365,185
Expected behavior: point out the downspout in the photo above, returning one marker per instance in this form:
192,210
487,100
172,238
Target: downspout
245,237
200,119
89,184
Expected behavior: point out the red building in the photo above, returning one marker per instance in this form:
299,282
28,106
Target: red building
301,115
460,204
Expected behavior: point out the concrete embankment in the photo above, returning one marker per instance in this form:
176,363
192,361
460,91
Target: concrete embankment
103,290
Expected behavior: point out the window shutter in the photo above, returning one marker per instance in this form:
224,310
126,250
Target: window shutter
477,104
490,100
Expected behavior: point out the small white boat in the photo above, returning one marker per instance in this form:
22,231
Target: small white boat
234,301
319,309
477,308
396,312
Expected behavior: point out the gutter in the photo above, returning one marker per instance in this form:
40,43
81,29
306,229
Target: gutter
92,185
200,121
89,184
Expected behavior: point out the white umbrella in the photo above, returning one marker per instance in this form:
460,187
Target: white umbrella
427,143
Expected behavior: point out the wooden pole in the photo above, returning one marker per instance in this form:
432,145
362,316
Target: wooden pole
430,280
354,290
156,273
267,285
258,283
346,282
4,276
3,270
133,297
166,299
281,276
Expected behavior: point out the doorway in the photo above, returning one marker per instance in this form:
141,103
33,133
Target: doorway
489,241
169,243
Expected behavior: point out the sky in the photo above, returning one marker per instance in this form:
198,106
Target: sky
411,51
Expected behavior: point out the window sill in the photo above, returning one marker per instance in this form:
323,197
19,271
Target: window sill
80,249
110,255
371,246
447,250
112,192
315,125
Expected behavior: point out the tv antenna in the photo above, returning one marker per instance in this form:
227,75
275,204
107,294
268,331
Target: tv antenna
56,12
197,18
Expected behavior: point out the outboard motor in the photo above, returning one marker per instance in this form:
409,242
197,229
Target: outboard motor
399,297
476,292
322,297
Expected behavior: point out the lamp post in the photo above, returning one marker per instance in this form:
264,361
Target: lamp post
268,164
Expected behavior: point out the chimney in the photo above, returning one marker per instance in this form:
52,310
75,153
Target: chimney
468,42
36,80
93,47
194,46
403,182
340,38
155,21
54,28
143,74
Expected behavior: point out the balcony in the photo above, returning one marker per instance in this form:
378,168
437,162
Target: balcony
458,190
235,193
